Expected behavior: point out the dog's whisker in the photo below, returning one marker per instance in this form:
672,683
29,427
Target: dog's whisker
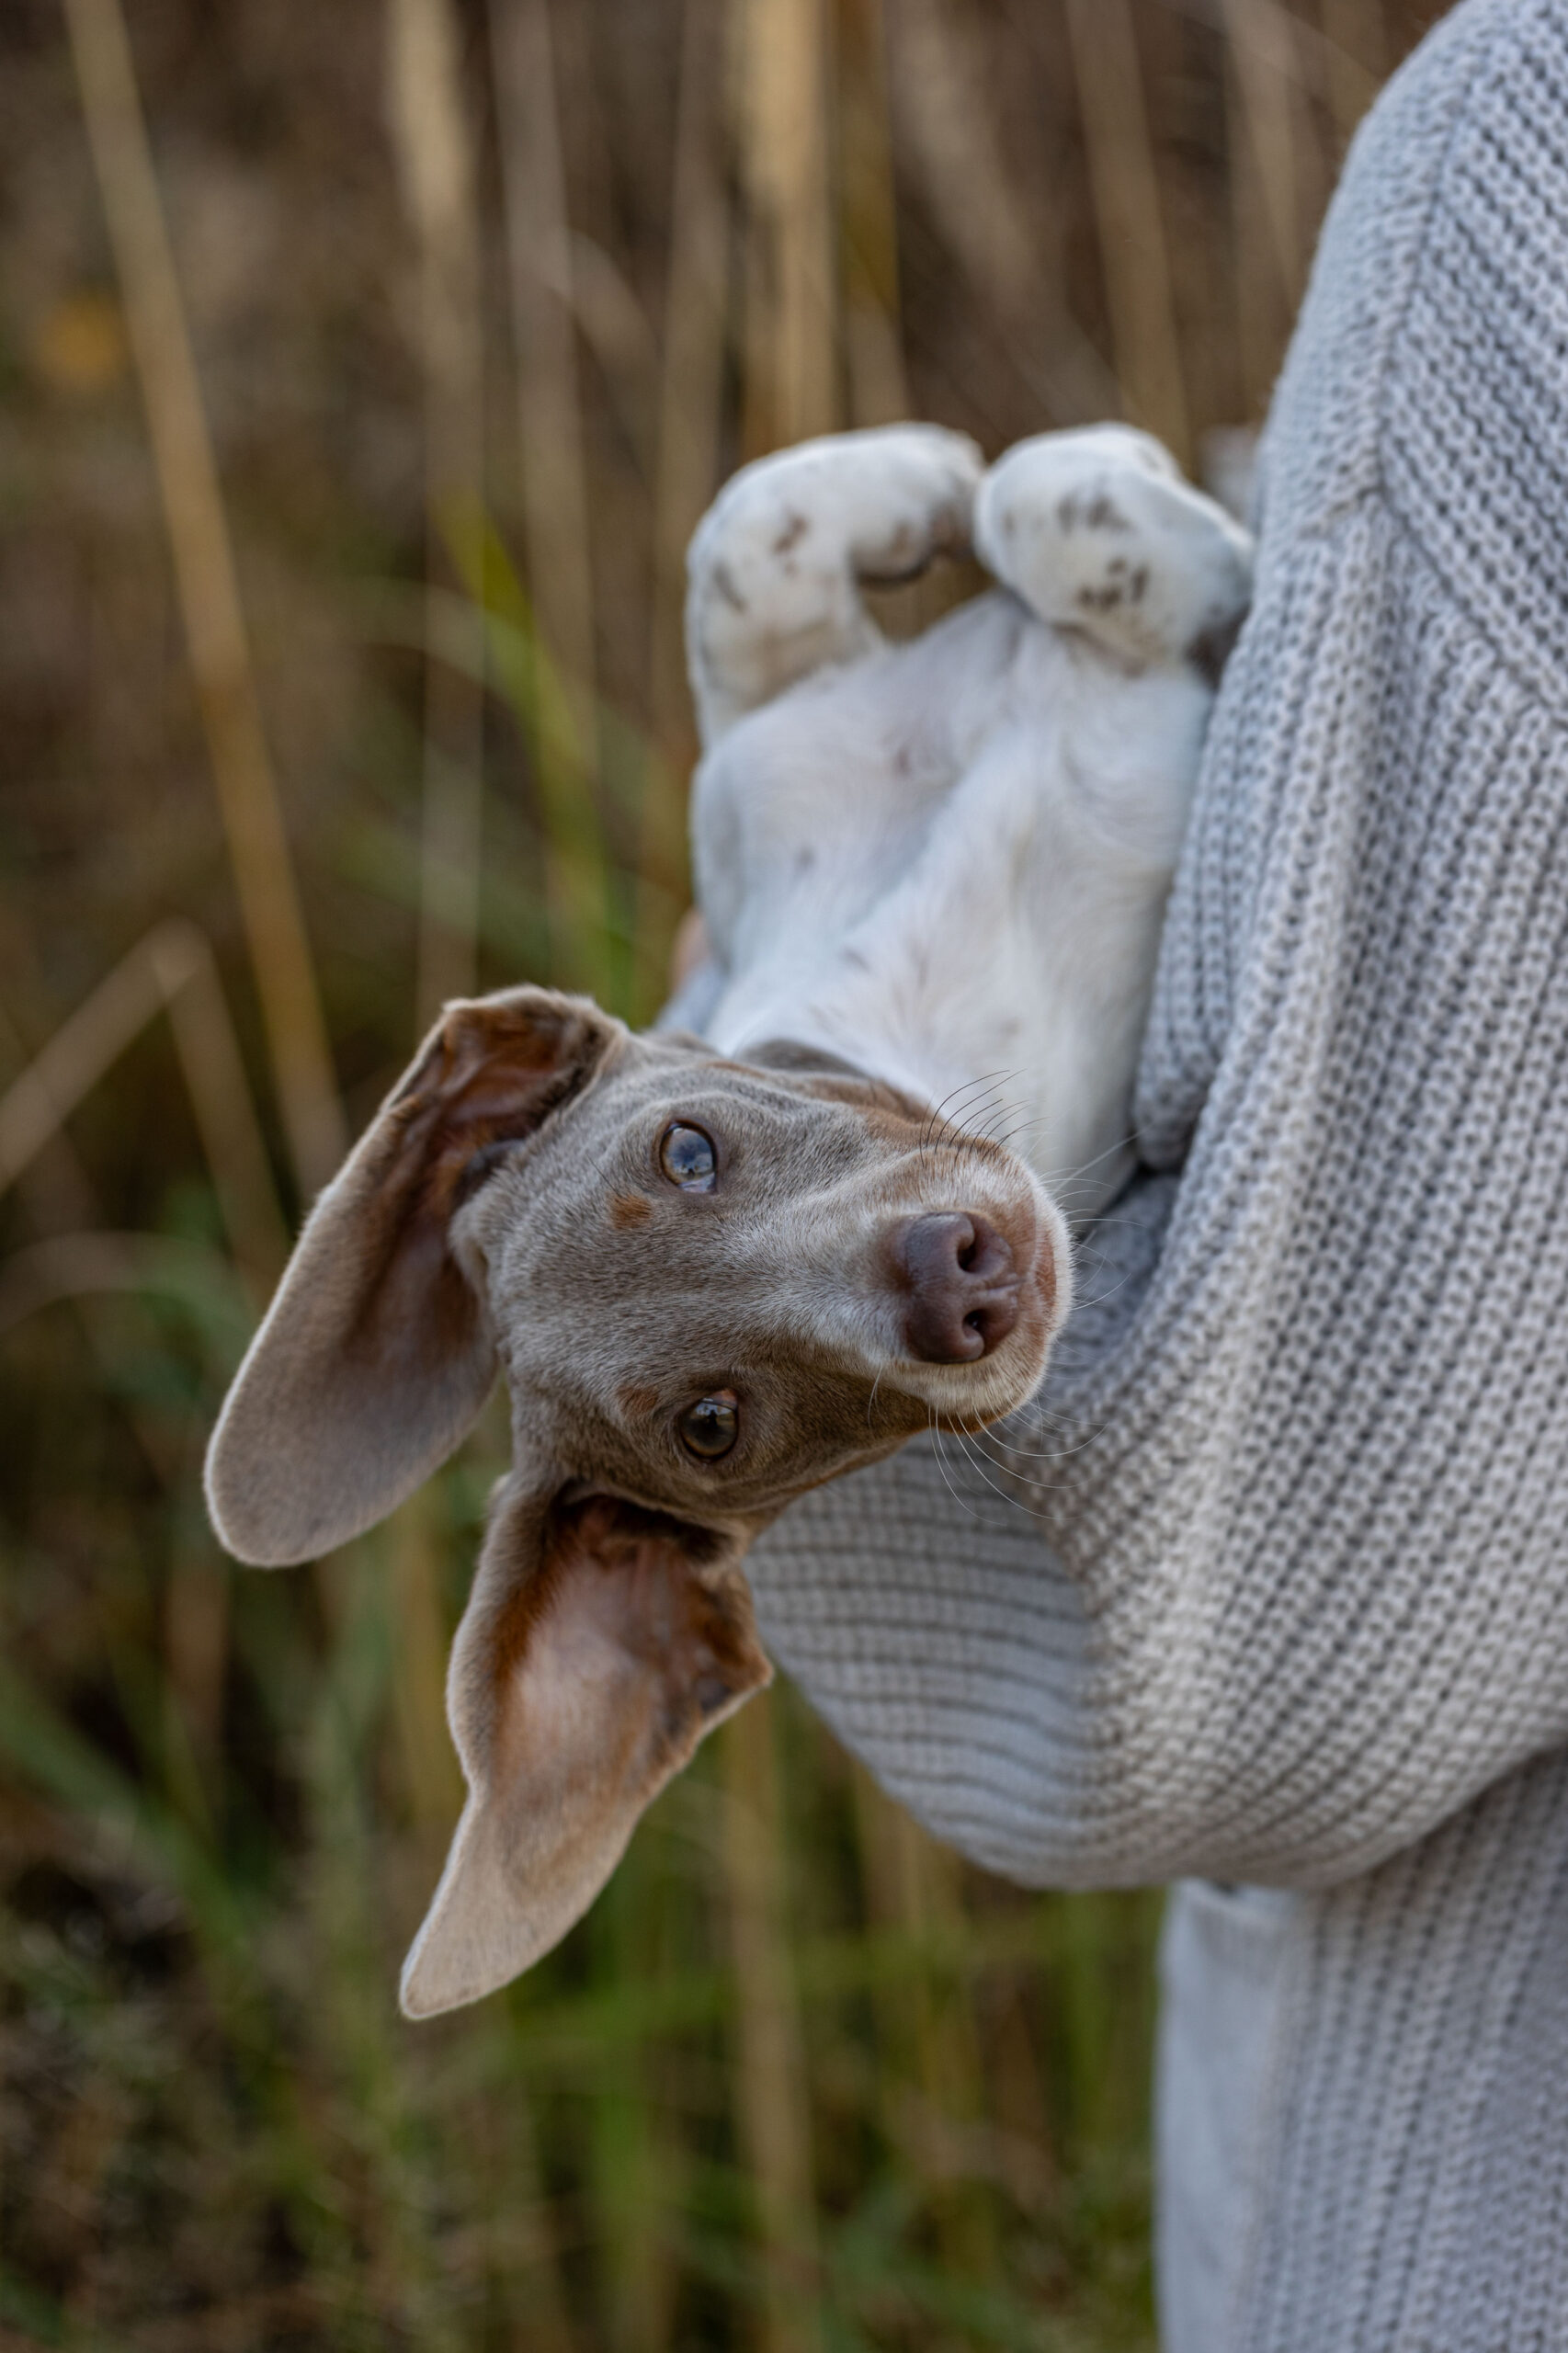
964,1463
976,1136
987,1133
998,1077
1058,1454
1037,1423
941,1465
966,1087
1008,1140
984,1103
971,1118
1028,1453
969,1099
1028,1512
1098,1298
1041,1454
1061,1179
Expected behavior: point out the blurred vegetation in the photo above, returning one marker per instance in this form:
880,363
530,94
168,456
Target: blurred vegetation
363,370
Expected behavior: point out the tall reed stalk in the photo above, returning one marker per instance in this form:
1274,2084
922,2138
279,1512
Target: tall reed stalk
428,112
771,2082
552,466
878,385
932,2070
62,1204
1357,37
791,284
692,382
1263,50
1258,190
1124,177
171,970
208,591
1011,256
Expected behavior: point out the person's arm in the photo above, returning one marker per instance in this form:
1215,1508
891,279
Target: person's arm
1293,1584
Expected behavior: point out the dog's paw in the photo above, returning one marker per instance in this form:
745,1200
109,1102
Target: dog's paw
775,568
1097,531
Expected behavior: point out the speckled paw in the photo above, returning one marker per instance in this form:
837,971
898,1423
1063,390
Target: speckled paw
1097,531
777,564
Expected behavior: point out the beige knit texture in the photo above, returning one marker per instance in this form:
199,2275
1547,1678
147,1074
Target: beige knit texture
1275,1587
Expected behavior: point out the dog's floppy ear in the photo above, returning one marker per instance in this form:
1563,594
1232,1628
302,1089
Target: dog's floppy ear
600,1643
376,1355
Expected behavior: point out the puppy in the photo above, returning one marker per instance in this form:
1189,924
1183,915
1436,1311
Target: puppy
725,1261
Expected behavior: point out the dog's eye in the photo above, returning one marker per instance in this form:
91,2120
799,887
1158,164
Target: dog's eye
710,1427
687,1158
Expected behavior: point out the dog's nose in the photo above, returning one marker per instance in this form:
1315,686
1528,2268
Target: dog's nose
963,1286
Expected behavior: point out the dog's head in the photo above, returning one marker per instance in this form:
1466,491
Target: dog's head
710,1286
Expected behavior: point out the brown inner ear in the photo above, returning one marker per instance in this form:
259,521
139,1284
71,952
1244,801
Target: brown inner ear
488,1076
603,1641
658,1588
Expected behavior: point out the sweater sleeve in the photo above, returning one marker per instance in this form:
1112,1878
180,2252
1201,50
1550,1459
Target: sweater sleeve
1275,1577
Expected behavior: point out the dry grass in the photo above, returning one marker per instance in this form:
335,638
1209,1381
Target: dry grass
428,111
362,373
198,537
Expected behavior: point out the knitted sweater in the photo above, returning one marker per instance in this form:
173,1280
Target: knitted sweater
1280,1593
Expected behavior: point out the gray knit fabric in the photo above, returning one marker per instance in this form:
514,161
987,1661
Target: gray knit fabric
1286,1601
